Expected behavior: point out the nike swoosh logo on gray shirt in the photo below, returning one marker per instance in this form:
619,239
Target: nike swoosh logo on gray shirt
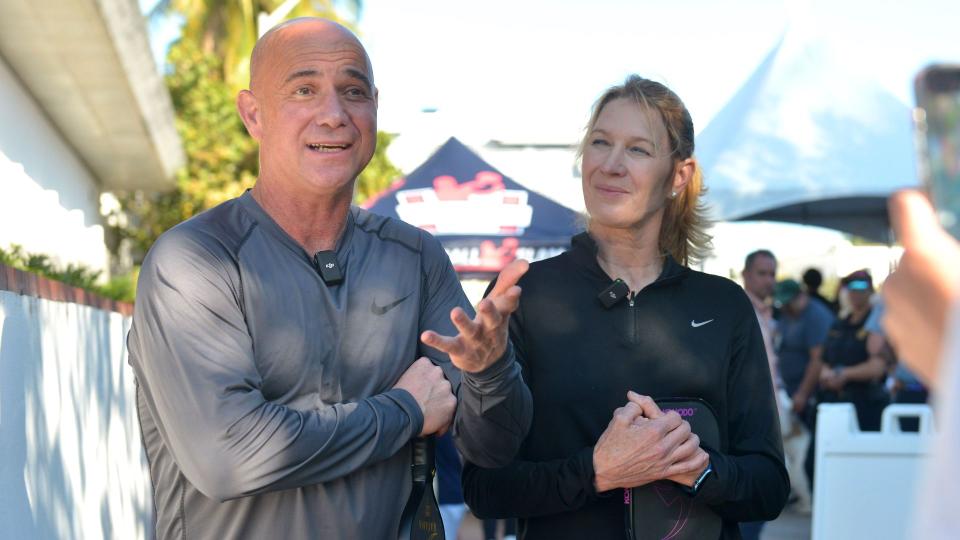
380,310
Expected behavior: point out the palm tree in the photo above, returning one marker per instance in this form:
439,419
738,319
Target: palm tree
228,28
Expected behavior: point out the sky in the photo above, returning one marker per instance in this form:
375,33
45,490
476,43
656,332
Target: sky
520,69
529,70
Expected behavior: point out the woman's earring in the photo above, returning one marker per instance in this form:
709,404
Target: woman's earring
673,194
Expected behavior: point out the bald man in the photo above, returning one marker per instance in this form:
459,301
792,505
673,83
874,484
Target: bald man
288,346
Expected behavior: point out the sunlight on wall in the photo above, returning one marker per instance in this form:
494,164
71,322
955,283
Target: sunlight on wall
48,197
72,463
36,219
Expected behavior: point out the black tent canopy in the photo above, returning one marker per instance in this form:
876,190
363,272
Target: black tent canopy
483,219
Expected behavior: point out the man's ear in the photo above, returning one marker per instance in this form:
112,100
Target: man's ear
249,111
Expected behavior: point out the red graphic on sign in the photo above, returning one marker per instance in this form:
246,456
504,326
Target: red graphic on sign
448,189
495,258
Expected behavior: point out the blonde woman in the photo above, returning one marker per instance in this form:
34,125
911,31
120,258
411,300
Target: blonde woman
619,321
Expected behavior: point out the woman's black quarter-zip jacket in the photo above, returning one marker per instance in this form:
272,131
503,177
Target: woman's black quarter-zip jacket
687,334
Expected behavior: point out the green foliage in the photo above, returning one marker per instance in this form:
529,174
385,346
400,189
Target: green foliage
12,256
123,287
379,173
120,288
221,157
227,29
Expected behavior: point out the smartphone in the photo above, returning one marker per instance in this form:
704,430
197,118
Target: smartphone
937,119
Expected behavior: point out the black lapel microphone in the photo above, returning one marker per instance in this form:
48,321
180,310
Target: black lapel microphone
614,293
326,263
421,516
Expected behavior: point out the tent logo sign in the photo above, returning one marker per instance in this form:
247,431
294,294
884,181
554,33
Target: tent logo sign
490,257
482,206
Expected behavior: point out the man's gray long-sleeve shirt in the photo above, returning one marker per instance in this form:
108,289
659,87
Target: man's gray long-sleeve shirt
265,395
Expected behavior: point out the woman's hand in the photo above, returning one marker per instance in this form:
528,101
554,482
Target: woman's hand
643,444
694,467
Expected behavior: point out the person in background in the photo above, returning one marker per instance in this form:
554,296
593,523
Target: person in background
850,373
812,280
923,323
802,327
622,316
759,277
902,384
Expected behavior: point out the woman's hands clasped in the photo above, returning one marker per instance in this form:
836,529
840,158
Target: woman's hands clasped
643,444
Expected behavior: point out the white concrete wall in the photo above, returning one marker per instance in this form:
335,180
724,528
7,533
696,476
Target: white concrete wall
71,462
49,200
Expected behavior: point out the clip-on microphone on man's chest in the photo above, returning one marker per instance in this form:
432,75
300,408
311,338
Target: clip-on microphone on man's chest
326,264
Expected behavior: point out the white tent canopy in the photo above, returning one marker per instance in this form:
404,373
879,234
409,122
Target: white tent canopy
808,139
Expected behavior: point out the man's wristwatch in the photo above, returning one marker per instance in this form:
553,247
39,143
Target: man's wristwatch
695,488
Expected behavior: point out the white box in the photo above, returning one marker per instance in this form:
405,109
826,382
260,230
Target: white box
864,484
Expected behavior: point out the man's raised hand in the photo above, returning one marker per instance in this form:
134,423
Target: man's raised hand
482,340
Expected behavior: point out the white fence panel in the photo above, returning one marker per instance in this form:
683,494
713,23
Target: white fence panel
71,462
865,482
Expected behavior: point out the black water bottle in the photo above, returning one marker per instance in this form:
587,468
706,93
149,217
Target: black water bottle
421,516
